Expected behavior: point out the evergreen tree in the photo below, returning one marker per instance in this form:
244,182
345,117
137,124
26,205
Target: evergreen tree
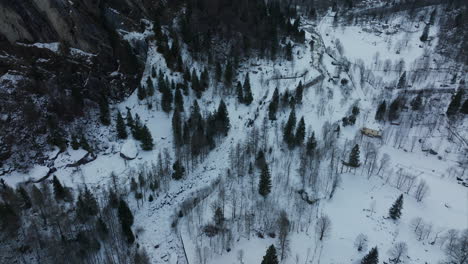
228,74
299,93
137,128
425,34
178,101
372,257
311,144
240,92
455,103
178,169
26,199
354,157
288,132
402,81
177,128
273,107
149,87
104,114
381,111
130,122
270,256
126,221
394,109
248,98
395,210
59,191
204,80
464,108
161,83
218,72
74,142
141,92
146,139
222,118
92,206
187,75
300,132
166,100
120,126
218,217
153,72
416,102
264,186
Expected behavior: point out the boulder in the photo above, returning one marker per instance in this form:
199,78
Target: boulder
129,150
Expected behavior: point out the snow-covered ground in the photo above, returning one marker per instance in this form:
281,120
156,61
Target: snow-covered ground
360,203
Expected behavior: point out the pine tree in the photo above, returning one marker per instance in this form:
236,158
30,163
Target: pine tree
91,203
74,142
120,126
187,76
299,93
372,257
354,157
137,128
222,118
395,210
228,74
425,34
149,87
59,191
126,221
161,83
455,103
273,107
218,71
394,109
416,102
129,118
178,101
26,199
141,92
177,128
402,81
264,186
166,100
240,92
270,256
153,72
178,169
204,80
146,139
300,132
248,98
311,144
218,217
464,108
381,111
104,114
288,132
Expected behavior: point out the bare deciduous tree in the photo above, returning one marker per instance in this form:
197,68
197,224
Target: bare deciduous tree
323,227
283,230
421,190
398,251
361,242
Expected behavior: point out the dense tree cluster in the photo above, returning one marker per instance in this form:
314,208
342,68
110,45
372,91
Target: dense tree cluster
197,134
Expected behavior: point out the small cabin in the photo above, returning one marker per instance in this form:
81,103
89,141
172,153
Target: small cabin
370,132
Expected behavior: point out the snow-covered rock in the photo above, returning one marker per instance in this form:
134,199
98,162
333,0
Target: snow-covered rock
129,150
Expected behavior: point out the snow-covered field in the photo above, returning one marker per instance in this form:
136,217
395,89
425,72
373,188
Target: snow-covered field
360,203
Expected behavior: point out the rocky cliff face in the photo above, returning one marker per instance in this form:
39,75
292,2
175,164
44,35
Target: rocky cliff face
58,60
